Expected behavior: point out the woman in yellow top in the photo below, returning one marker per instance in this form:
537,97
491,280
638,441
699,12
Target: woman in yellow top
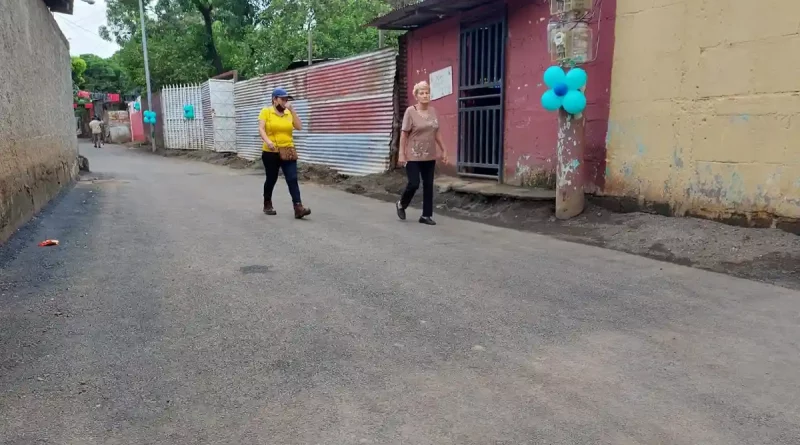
276,125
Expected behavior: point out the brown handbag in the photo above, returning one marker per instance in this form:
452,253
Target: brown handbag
287,153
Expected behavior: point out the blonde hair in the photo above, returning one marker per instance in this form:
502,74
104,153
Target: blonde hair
421,86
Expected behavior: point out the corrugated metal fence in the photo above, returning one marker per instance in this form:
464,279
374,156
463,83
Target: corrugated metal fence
249,97
346,107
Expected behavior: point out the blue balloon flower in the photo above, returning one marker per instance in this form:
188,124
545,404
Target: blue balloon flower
188,111
574,102
550,101
554,76
565,90
150,117
576,78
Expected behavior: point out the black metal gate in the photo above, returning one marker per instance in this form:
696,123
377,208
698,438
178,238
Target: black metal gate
480,99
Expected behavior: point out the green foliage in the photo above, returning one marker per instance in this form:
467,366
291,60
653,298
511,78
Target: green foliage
190,40
337,29
105,75
78,69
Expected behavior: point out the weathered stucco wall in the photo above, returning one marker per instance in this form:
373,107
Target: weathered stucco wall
705,107
38,146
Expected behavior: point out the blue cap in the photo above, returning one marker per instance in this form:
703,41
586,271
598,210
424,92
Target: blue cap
280,92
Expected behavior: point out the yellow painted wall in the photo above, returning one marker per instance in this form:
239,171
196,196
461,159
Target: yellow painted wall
705,106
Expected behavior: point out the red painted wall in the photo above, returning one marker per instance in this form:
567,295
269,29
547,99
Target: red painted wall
137,125
530,131
431,49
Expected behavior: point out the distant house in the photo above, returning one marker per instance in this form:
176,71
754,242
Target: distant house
38,144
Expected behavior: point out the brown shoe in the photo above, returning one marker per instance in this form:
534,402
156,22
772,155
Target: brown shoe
268,209
300,212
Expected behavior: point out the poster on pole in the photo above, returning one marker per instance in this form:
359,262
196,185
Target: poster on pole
441,83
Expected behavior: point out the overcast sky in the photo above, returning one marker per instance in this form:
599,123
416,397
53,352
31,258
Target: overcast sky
81,29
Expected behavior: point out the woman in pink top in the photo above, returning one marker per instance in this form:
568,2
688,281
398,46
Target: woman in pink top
420,146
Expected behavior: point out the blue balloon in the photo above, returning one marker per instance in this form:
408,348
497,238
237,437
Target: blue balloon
576,78
137,106
553,76
550,101
574,102
561,89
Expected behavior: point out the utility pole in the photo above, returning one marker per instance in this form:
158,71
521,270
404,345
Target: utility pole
381,38
571,44
147,74
570,199
310,44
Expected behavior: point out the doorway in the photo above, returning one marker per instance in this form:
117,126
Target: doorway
480,99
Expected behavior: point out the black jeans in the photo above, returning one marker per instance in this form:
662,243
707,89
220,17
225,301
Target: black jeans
272,165
415,170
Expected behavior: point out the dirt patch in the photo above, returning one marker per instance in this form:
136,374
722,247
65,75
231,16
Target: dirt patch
768,255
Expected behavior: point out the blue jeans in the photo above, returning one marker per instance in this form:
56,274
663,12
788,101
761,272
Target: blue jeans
272,165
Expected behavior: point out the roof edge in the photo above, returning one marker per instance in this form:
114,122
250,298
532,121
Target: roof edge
60,6
424,13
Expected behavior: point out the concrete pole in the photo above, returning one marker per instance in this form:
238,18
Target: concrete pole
570,199
147,75
381,39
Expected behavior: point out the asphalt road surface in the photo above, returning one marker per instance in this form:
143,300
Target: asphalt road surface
174,312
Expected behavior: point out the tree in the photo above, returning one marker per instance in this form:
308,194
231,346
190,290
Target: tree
337,28
191,40
78,69
183,37
105,75
233,14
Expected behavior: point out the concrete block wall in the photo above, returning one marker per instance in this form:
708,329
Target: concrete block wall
38,144
705,107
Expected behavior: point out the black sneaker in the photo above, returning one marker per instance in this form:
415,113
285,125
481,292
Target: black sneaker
401,212
427,220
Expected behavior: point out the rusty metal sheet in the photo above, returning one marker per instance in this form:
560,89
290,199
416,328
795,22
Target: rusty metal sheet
367,114
347,108
348,154
249,97
362,75
294,82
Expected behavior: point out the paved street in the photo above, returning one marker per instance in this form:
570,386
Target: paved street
174,312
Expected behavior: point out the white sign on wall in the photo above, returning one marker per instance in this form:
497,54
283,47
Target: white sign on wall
441,83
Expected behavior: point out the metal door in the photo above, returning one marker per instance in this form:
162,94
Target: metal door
480,99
